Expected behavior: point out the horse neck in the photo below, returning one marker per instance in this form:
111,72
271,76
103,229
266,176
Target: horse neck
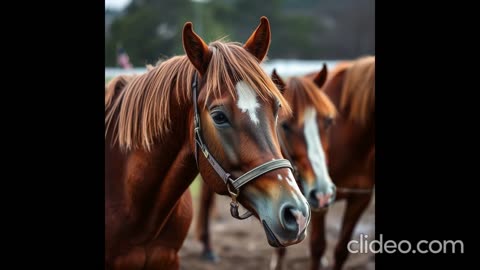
350,143
350,154
142,187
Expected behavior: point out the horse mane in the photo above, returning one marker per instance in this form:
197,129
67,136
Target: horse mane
141,113
302,92
358,91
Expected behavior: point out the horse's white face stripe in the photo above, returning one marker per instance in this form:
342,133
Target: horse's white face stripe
247,101
316,155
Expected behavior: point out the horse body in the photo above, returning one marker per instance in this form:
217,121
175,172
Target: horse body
152,153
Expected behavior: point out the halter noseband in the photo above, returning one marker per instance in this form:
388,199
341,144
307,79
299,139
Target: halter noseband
233,185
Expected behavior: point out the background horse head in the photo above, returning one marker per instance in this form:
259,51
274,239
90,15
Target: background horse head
351,87
305,135
152,145
306,141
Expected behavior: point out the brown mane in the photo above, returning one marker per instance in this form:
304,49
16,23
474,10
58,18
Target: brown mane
141,112
301,93
358,91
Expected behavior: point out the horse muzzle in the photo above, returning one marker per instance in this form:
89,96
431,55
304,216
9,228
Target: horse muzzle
320,198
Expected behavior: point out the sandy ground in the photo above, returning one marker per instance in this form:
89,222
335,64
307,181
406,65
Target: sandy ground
242,244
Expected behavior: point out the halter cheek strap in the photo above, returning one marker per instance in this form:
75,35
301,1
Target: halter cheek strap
233,185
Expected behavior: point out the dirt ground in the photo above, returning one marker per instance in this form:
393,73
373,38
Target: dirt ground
242,244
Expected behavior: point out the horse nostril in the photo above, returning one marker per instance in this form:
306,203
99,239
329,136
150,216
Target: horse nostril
287,219
312,196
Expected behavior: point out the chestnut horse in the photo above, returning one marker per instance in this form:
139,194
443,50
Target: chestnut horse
303,143
157,139
351,153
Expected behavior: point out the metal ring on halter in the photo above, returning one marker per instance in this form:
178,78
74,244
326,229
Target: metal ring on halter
233,194
234,205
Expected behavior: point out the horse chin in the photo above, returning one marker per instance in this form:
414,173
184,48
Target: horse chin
271,238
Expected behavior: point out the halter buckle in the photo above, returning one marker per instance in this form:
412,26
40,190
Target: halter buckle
233,195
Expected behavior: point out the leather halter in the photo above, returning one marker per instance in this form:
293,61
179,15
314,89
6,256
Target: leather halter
233,185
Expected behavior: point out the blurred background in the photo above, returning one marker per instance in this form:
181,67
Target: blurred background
305,34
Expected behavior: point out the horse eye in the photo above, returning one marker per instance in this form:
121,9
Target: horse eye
219,118
286,127
328,121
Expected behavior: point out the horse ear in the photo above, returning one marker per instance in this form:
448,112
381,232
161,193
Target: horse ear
196,49
321,77
259,42
278,81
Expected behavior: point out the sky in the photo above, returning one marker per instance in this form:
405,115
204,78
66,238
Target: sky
116,4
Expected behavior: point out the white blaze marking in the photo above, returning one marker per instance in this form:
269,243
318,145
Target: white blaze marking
316,155
279,177
247,101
